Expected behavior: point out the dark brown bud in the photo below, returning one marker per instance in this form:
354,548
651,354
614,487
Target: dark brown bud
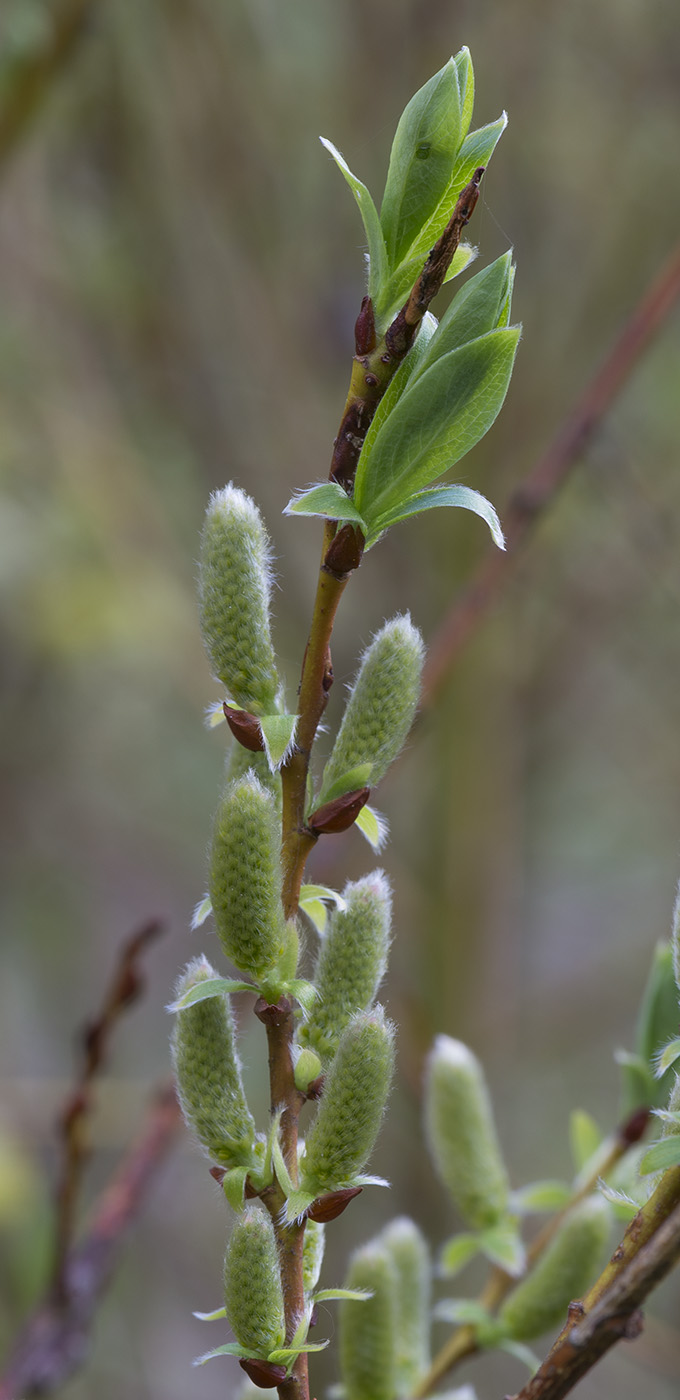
345,551
339,814
364,330
272,1014
329,1207
315,1089
631,1131
263,1374
245,728
218,1174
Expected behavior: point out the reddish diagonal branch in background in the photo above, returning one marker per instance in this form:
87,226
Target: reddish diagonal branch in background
536,493
35,73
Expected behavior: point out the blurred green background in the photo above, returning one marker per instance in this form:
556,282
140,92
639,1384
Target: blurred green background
180,269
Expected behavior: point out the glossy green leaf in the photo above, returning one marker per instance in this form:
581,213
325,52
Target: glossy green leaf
458,1252
423,153
210,987
474,311
328,500
437,420
395,292
584,1138
475,151
540,1196
462,496
373,826
661,1155
278,732
377,253
466,88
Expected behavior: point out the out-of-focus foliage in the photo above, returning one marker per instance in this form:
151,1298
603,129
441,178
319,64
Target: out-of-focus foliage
180,269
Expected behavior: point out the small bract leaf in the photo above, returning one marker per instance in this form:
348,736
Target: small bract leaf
374,235
329,1295
584,1138
462,496
466,88
201,912
304,992
521,1353
461,1310
356,778
458,1252
313,900
666,1057
437,420
214,715
661,1155
234,1185
539,1196
211,987
373,826
503,1245
328,500
229,1349
278,732
212,1316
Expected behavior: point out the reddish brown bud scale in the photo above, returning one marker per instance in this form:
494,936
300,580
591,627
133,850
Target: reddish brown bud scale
345,551
245,728
263,1373
329,1207
364,329
339,814
272,1014
632,1130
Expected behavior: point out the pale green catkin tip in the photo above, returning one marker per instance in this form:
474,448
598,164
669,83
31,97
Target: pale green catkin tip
234,590
252,1285
410,1256
351,962
348,1118
562,1273
208,1073
368,1329
382,703
245,877
313,1252
461,1134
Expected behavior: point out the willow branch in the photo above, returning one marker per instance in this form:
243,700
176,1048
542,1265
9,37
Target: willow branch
536,494
35,73
609,1312
55,1339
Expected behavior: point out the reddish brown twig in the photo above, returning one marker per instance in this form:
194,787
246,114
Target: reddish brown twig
126,986
34,73
539,488
55,1339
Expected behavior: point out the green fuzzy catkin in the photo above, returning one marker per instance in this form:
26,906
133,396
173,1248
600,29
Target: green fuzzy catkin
381,705
252,1284
241,761
234,590
561,1274
312,1254
461,1134
410,1255
348,1118
351,962
368,1329
245,877
208,1073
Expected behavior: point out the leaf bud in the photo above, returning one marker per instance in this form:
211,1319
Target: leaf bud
307,1070
333,1204
351,962
312,1254
245,877
234,590
266,1375
381,705
253,1297
339,814
461,1134
368,1329
408,1250
208,1073
348,1118
561,1274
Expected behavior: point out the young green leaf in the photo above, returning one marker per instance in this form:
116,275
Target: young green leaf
374,827
377,253
466,88
585,1138
210,987
435,496
438,419
423,154
396,289
458,1252
540,1196
278,732
327,499
474,311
